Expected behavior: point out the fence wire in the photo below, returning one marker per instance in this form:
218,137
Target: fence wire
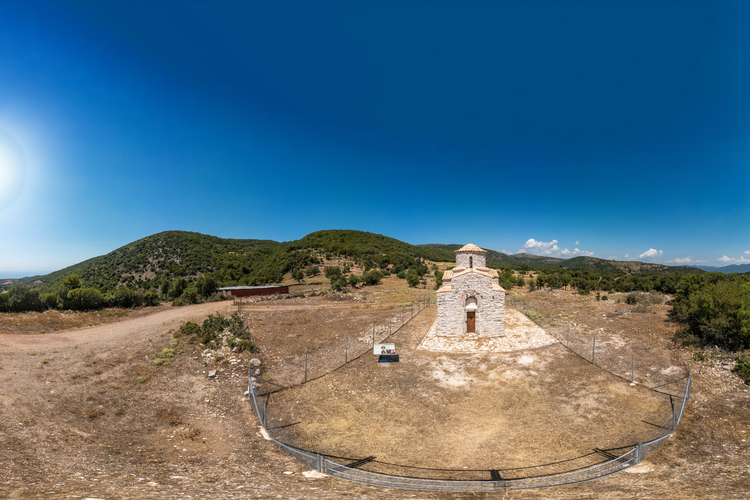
597,464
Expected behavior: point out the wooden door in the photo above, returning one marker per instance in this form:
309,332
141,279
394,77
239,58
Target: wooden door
470,322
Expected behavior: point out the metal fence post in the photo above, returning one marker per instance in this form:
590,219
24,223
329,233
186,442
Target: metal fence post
671,401
265,414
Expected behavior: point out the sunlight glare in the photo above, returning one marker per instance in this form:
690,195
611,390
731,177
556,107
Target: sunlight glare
12,171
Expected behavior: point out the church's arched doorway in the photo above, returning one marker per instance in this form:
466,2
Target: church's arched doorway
471,315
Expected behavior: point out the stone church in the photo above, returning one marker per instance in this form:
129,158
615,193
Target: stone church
471,301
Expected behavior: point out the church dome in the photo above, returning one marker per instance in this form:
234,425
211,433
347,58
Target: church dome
470,248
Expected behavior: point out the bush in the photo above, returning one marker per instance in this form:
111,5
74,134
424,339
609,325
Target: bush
84,299
51,301
412,279
716,313
151,298
190,295
217,329
125,297
372,277
742,368
23,298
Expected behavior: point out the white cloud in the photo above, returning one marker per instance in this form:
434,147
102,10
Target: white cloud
742,258
550,247
627,256
542,247
577,252
682,260
650,253
578,242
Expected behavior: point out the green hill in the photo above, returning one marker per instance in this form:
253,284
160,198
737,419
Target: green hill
627,267
172,255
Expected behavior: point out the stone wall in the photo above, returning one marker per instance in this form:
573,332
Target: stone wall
479,259
490,314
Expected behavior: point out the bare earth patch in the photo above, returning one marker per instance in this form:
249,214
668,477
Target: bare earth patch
520,333
87,413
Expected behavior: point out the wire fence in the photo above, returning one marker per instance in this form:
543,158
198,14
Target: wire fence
599,463
305,367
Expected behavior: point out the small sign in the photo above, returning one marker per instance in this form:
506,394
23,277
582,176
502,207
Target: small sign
383,349
387,358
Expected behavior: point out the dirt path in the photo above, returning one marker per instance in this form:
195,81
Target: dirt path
87,413
114,332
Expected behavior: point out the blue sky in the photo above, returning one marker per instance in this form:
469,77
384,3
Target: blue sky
613,129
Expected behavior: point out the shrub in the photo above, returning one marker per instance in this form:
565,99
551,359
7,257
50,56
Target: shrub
372,277
742,368
189,328
190,295
151,298
84,299
51,301
125,297
412,279
23,298
716,314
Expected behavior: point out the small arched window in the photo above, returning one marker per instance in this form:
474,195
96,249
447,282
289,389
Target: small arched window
471,262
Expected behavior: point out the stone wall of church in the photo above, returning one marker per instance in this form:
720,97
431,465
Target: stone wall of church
479,259
490,315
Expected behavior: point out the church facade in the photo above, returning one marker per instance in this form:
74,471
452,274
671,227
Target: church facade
471,301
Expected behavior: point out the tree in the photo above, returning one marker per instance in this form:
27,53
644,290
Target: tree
22,298
372,277
338,283
412,279
71,282
354,280
333,272
84,299
299,276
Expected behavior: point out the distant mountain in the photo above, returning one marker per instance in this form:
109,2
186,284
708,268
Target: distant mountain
171,255
628,267
733,268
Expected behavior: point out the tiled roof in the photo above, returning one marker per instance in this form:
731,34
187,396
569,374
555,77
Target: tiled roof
470,248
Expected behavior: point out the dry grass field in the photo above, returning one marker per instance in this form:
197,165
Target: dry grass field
468,412
87,413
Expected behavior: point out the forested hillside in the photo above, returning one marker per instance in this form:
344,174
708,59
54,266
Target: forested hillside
188,267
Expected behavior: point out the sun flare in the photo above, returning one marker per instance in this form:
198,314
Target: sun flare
12,171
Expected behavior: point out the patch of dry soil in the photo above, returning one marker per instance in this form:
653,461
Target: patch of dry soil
87,413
